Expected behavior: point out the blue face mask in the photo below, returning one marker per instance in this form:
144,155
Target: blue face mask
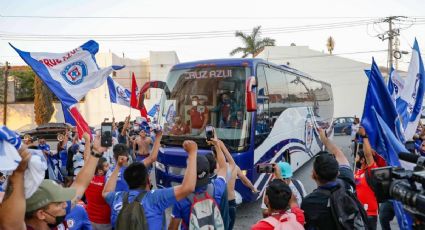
226,101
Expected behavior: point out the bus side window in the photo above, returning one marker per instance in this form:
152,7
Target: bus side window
277,93
262,126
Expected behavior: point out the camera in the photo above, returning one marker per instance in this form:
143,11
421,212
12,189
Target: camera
106,134
265,168
404,185
209,132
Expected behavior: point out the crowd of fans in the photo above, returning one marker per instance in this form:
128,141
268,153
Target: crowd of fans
88,186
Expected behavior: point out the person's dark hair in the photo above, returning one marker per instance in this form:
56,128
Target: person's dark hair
361,153
279,195
100,163
212,162
31,214
326,166
136,175
120,150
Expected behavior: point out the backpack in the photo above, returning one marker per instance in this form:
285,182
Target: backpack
132,215
287,221
298,187
346,209
204,212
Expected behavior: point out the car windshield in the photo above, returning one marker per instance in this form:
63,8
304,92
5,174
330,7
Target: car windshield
206,95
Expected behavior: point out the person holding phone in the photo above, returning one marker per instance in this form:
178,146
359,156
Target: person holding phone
283,171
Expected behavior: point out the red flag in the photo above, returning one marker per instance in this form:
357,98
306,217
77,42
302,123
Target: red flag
134,103
82,126
133,99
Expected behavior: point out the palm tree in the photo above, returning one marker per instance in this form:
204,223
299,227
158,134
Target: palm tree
330,44
253,43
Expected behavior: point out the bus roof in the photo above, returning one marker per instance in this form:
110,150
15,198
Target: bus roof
248,62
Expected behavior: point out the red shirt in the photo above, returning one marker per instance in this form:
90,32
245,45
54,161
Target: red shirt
225,112
365,194
262,225
197,116
98,210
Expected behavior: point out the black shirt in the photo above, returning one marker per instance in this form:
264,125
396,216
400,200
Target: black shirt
316,205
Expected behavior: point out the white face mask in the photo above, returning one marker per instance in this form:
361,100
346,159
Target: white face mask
194,103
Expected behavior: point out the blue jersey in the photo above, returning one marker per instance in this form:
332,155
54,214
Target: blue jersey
77,219
154,204
121,183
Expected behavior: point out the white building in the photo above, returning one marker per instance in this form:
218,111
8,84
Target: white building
96,105
346,76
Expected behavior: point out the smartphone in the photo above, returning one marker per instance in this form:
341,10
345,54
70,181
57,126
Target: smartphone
265,168
209,132
106,134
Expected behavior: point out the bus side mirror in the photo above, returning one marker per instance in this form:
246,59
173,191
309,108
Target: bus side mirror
251,99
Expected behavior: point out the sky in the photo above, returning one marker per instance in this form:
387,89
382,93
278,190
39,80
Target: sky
137,20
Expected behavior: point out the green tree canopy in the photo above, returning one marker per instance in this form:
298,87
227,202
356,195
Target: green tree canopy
253,43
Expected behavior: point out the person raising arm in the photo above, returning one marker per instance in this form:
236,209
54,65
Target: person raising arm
12,209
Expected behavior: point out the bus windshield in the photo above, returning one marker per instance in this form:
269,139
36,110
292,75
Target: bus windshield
206,96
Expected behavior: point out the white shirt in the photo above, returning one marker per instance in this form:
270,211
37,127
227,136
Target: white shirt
354,130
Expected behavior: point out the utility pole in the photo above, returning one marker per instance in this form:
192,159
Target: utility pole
390,35
6,75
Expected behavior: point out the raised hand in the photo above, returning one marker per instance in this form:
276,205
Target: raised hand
96,145
190,146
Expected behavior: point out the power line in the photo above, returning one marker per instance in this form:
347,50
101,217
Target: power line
178,18
177,36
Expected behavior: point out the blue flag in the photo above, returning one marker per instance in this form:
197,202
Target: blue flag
377,96
389,147
154,110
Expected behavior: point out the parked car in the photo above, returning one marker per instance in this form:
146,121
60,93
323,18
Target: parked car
342,125
49,131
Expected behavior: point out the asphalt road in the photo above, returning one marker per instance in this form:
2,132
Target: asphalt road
249,213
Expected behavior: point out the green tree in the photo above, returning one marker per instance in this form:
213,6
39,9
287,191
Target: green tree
253,43
43,102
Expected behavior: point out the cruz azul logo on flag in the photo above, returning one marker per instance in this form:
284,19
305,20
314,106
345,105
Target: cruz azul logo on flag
123,94
75,72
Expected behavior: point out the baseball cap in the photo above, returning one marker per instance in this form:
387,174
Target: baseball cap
285,170
202,171
49,192
326,166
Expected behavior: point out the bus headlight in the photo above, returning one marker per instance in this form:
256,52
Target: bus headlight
160,166
176,170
